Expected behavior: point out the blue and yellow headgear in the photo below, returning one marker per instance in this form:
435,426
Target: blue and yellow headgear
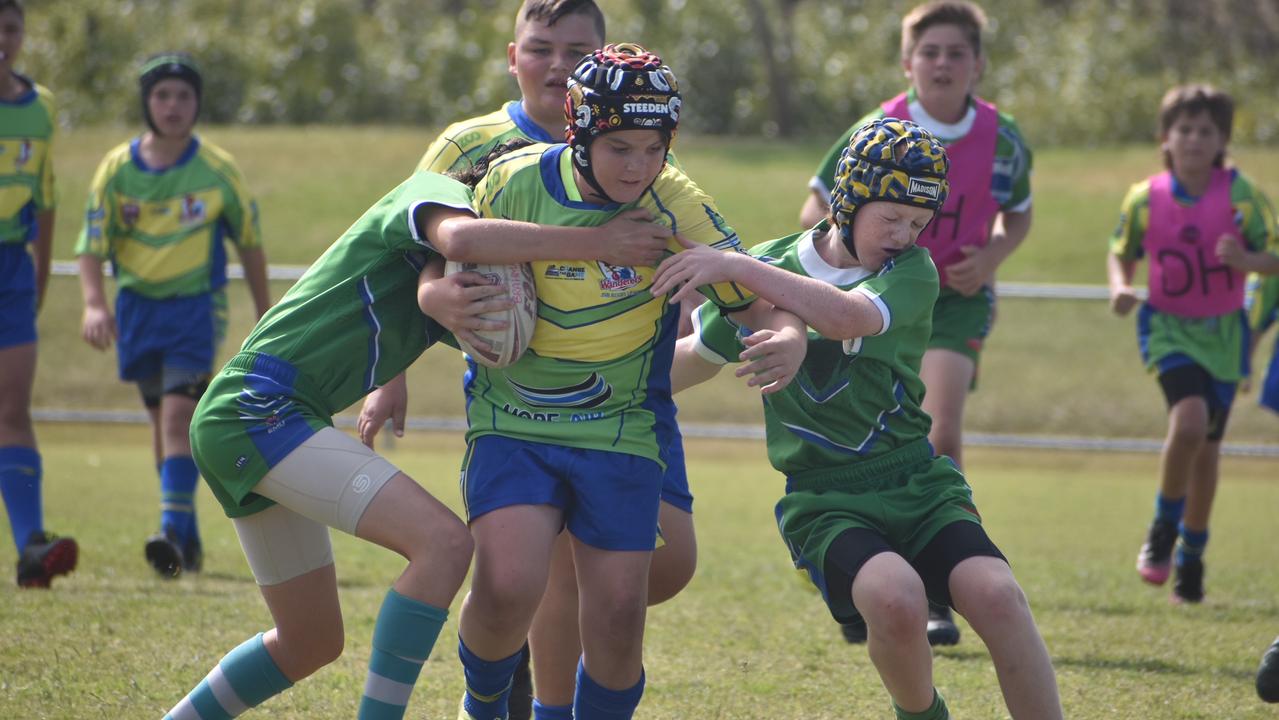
888,160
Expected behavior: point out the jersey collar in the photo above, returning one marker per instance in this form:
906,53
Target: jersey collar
25,98
946,132
135,154
556,166
532,130
815,266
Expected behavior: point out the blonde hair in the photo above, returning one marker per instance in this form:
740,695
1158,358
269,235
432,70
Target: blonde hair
967,16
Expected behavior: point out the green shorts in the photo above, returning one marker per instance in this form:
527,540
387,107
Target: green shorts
906,497
961,323
252,416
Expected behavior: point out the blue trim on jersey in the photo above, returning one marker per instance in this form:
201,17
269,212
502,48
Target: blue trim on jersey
526,125
217,255
273,419
549,164
26,98
1144,314
136,156
375,350
1180,194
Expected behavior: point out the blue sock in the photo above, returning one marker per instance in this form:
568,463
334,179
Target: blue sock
488,683
1169,510
402,640
178,478
20,473
596,702
1190,543
245,678
551,712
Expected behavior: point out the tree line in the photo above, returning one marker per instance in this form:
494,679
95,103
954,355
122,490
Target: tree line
1072,71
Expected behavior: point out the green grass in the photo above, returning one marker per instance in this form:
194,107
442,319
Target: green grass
745,640
1050,367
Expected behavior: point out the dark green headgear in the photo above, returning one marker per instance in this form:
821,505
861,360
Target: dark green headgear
162,67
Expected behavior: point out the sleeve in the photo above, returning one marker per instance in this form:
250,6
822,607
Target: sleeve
1256,216
240,214
719,339
1263,297
1013,164
46,193
400,229
824,179
680,205
904,292
1134,215
96,235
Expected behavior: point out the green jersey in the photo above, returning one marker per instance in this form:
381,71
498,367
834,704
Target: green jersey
852,401
600,356
163,230
352,322
26,162
1009,181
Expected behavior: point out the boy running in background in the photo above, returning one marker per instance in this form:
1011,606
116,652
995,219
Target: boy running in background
881,523
160,208
27,200
986,216
1262,303
1202,225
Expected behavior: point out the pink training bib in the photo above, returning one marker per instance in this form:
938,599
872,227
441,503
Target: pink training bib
1186,278
970,208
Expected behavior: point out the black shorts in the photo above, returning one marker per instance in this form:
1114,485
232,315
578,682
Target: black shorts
1192,380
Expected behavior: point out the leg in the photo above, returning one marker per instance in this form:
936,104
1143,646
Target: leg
614,597
19,460
512,561
1187,428
554,637
986,594
947,375
177,546
1188,585
890,596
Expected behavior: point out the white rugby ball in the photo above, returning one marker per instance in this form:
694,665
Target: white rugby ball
509,343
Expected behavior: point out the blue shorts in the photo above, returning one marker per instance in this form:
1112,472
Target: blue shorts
675,489
609,499
174,334
17,296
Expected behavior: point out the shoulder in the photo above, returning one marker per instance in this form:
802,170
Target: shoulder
46,100
520,167
429,186
115,160
477,130
771,251
1243,186
916,262
673,183
221,163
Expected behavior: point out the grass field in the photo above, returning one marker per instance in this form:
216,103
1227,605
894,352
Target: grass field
1050,367
746,640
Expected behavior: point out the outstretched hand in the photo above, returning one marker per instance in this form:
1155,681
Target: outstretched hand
772,358
698,265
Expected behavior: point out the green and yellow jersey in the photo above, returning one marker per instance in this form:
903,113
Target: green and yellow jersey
26,161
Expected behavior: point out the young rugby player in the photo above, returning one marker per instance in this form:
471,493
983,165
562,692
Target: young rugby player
986,217
264,440
881,523
551,36
160,208
1262,303
26,217
1202,225
570,436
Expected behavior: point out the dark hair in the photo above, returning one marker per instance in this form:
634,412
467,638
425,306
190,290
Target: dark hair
550,12
13,5
472,175
967,16
1191,100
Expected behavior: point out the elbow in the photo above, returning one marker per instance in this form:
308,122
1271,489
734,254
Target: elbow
453,241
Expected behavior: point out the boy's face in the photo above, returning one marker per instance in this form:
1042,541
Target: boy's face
884,230
943,67
1194,142
172,104
11,30
626,162
541,59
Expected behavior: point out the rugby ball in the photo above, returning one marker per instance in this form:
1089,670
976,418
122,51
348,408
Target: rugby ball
510,342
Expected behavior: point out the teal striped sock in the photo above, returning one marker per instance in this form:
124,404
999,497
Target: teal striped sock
245,678
936,711
402,640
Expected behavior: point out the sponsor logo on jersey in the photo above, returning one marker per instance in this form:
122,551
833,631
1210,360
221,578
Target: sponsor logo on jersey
193,210
1190,234
591,392
24,154
129,213
921,188
529,414
618,277
565,272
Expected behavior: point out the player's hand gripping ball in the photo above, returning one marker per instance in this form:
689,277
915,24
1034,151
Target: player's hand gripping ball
509,343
